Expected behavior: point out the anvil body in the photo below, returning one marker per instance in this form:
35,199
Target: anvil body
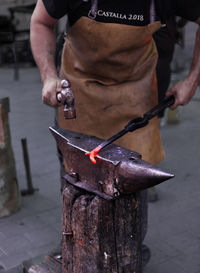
117,171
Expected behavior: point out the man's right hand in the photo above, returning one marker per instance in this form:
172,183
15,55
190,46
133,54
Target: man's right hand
51,87
43,47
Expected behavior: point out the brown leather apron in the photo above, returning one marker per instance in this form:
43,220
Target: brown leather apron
111,68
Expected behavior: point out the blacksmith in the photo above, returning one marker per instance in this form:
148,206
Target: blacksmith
109,57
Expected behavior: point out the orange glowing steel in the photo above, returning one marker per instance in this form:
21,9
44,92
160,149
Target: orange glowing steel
94,153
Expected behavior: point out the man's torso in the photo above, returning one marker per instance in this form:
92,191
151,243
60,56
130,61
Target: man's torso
128,12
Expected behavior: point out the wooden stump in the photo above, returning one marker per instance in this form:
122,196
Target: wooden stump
9,194
101,236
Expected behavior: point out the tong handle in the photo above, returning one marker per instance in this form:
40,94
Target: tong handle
167,102
143,121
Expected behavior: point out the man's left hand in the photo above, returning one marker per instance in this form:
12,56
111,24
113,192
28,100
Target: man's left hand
183,91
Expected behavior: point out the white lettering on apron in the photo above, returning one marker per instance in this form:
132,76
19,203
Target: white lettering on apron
130,17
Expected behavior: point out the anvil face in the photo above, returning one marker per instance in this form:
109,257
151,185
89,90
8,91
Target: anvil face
117,169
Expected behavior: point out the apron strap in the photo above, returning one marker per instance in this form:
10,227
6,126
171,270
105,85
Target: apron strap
152,12
153,15
93,11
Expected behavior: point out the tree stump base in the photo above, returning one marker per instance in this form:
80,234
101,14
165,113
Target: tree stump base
101,236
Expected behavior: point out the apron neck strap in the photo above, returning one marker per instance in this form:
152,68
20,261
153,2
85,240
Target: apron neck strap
93,11
152,12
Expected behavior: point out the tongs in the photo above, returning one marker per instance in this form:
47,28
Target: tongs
133,125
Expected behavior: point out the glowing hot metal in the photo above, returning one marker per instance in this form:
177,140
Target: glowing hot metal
92,154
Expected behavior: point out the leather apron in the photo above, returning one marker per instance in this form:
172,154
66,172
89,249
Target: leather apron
111,68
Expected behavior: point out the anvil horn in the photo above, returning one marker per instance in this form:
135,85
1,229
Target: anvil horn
138,175
117,170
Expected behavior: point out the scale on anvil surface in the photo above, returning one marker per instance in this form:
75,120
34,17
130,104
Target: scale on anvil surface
118,170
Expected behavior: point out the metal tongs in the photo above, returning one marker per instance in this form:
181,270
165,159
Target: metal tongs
133,125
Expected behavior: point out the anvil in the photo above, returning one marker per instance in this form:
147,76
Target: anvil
117,171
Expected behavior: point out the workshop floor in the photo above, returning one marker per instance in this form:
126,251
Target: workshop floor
174,220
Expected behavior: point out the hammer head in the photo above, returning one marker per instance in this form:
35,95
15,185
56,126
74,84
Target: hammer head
66,96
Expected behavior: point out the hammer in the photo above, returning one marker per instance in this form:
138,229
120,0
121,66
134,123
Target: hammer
66,97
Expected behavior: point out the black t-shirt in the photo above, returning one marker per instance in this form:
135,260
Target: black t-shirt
128,12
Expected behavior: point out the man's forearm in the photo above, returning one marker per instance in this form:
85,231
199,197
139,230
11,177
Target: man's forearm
43,48
195,67
185,89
